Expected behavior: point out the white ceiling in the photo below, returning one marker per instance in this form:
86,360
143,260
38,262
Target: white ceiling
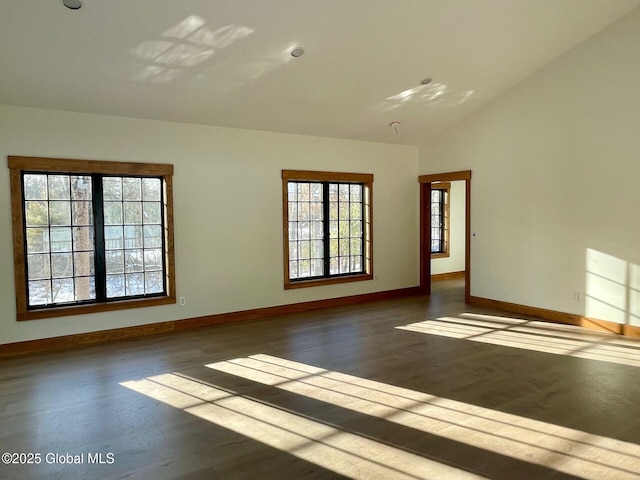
227,62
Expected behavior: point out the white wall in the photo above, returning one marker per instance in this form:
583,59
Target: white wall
228,210
556,177
455,261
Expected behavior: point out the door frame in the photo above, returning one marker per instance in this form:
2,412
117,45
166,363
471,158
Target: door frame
425,228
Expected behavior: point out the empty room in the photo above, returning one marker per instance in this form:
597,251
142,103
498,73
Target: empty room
304,239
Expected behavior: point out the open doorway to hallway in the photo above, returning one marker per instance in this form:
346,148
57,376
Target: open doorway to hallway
447,246
445,223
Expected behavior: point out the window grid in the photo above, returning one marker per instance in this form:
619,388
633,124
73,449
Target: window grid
133,236
59,238
438,220
60,234
310,256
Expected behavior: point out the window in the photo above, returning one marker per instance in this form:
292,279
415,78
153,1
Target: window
327,227
440,219
90,236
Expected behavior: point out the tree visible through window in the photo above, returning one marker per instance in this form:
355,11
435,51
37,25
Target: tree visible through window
327,225
90,236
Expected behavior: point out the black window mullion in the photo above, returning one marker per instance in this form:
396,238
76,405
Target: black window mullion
362,228
326,229
98,225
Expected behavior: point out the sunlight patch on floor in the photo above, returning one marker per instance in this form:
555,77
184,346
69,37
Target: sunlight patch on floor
345,453
570,451
533,335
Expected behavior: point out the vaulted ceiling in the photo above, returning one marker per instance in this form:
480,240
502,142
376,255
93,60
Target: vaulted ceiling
229,63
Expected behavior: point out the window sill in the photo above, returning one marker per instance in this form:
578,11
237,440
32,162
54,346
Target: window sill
93,308
289,285
440,255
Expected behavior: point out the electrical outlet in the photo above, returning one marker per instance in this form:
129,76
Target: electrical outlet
576,296
183,301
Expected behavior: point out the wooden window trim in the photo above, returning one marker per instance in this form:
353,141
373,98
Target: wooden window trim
17,164
446,186
318,176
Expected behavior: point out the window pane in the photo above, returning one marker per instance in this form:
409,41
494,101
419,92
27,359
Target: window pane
132,213
151,212
60,239
82,238
59,187
316,192
151,189
356,228
356,246
356,193
37,240
343,193
134,284
152,236
85,288
131,189
292,191
39,292
293,250
35,186
334,266
303,192
153,282
293,231
305,268
80,187
113,238
317,249
356,211
112,188
303,211
81,213
293,269
112,213
317,230
293,211
315,211
115,286
61,265
59,213
134,261
62,290
304,249
38,267
133,237
83,263
114,261
36,213
303,231
344,246
153,259
317,268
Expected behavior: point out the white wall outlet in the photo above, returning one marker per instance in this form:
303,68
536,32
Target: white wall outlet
183,301
576,296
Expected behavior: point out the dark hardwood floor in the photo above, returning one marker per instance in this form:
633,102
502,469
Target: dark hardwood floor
412,388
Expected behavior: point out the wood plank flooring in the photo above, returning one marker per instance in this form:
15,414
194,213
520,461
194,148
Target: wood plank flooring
412,388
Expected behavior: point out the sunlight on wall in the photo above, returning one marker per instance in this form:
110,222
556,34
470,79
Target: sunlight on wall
606,287
634,295
331,448
563,449
612,289
531,335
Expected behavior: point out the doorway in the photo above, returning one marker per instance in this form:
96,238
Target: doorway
425,227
